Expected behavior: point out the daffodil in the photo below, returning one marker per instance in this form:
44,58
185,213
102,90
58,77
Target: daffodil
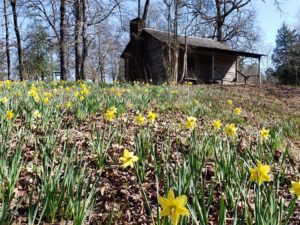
45,100
229,102
32,92
4,100
237,111
151,116
260,173
128,158
190,122
230,130
173,207
264,134
36,98
217,124
110,114
140,119
295,189
36,114
9,115
69,105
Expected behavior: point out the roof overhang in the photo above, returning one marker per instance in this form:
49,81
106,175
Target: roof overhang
229,51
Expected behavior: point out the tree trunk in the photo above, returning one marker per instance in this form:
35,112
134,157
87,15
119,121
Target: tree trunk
7,49
146,9
19,45
62,42
219,21
84,40
78,20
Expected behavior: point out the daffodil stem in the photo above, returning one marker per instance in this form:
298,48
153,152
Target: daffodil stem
144,193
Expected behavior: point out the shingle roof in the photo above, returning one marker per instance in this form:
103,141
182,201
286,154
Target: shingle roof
197,42
191,41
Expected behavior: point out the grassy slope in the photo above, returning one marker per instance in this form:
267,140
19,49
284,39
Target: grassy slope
170,156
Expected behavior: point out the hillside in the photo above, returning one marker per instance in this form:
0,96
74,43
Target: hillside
61,146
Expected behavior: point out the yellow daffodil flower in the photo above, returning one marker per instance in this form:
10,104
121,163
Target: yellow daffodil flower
260,173
69,105
140,120
295,189
45,100
217,124
128,158
173,207
110,114
9,115
36,98
36,114
230,130
151,116
264,134
4,100
190,122
237,111
32,92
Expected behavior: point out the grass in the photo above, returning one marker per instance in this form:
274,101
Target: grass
59,156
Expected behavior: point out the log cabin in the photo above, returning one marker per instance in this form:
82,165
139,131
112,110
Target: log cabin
207,61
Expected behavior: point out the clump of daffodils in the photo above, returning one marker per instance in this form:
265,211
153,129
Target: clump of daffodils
264,134
260,174
128,158
33,92
69,105
190,123
110,114
84,90
217,124
231,130
36,114
229,102
9,115
174,207
4,100
140,120
45,100
151,116
237,111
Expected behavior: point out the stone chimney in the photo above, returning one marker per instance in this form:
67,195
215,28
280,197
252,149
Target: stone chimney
136,26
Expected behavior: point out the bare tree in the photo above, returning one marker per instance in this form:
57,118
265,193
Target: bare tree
7,48
62,42
77,30
13,4
84,53
231,22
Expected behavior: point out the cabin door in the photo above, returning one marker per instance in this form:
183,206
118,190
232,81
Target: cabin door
205,64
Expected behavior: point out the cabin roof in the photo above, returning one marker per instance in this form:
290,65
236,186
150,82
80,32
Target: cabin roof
191,41
197,42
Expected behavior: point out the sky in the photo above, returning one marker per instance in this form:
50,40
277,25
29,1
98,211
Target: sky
269,18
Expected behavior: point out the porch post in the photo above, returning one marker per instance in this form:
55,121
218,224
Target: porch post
259,73
213,67
236,69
